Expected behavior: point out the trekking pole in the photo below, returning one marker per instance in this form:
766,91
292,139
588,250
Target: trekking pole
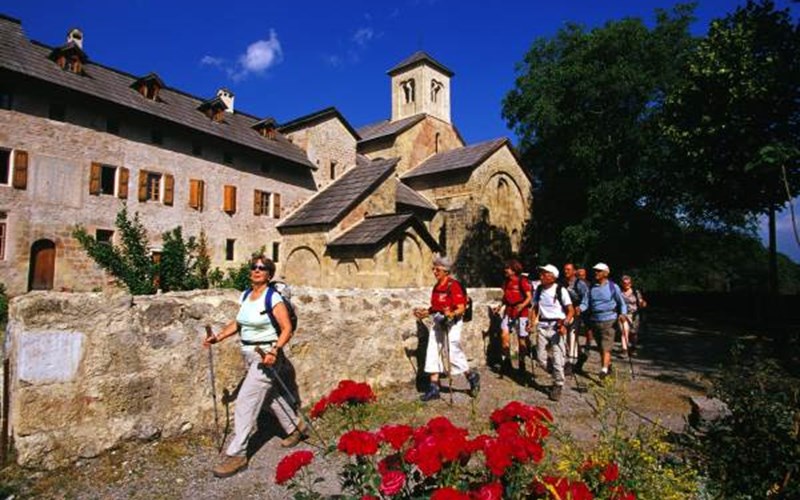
291,398
212,376
448,365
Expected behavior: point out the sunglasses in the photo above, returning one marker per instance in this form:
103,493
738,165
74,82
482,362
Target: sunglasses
258,267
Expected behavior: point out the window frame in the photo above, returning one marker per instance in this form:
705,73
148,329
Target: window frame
10,166
114,181
230,249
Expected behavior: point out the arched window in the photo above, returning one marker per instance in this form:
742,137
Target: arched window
436,87
408,90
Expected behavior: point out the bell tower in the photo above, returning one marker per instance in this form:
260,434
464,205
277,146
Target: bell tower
420,84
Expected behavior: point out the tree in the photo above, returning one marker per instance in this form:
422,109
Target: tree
585,107
735,120
129,262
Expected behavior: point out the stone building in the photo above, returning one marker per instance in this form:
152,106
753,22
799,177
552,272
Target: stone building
332,204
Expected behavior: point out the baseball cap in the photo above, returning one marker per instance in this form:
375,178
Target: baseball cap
601,267
550,268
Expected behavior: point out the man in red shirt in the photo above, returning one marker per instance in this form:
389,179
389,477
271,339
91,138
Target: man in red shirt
517,295
448,303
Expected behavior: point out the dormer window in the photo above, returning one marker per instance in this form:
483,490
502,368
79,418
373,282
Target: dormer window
214,109
149,86
70,58
266,128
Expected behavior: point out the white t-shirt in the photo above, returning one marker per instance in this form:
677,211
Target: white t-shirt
253,320
549,307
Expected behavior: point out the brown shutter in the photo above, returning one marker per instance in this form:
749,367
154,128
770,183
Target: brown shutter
229,205
256,202
94,178
169,189
122,189
142,185
276,205
194,193
20,170
201,195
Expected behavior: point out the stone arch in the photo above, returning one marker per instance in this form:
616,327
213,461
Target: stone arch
505,201
410,268
303,267
42,269
347,269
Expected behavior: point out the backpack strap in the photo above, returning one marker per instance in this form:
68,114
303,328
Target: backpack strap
559,298
268,309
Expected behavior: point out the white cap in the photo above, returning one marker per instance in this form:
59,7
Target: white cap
550,268
601,267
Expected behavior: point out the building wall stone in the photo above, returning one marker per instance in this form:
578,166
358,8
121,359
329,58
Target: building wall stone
327,141
133,367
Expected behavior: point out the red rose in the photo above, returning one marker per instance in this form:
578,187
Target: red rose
491,491
620,493
449,494
290,464
358,443
390,462
350,392
319,408
395,435
392,482
610,473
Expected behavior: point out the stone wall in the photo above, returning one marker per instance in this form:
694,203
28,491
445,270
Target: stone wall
90,370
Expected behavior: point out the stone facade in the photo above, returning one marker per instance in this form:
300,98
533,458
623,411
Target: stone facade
90,370
57,197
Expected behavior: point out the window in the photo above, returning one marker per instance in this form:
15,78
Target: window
2,240
276,251
197,191
333,169
5,166
108,177
104,236
6,99
227,158
436,143
197,149
436,87
155,186
229,247
229,200
57,111
112,126
400,245
408,90
261,203
156,137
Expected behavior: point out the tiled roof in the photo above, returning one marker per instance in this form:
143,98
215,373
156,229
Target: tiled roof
377,229
20,55
339,197
387,128
320,115
456,159
407,196
419,57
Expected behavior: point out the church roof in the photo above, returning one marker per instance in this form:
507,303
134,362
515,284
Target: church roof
457,159
316,117
407,196
20,55
387,128
419,57
378,230
334,202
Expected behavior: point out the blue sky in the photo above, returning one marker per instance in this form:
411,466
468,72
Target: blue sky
287,59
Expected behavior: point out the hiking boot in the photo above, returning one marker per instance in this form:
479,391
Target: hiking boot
506,368
296,436
555,393
230,466
433,393
474,379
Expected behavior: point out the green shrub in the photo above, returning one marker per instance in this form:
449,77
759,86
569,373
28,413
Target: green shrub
184,263
3,306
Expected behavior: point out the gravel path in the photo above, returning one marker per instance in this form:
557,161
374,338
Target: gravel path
674,363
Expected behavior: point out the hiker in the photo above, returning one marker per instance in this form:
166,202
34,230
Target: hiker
632,321
517,296
577,289
444,353
255,327
603,305
552,313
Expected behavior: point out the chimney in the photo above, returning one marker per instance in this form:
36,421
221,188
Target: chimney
75,36
227,97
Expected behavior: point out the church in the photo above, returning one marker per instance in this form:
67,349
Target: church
334,205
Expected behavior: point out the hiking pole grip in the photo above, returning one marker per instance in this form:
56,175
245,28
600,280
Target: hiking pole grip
209,332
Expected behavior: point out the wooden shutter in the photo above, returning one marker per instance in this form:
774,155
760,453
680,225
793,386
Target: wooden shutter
20,169
169,189
276,205
94,178
122,188
229,202
142,185
196,189
256,202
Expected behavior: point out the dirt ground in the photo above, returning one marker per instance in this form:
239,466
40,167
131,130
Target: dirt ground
675,361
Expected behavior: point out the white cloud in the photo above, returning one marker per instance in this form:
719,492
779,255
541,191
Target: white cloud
260,56
363,36
217,62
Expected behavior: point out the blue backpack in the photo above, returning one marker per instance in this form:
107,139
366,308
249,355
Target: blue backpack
285,294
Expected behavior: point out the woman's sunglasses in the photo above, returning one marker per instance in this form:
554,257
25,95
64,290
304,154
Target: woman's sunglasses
258,267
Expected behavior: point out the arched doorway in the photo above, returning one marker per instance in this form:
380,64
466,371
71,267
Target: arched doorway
42,266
